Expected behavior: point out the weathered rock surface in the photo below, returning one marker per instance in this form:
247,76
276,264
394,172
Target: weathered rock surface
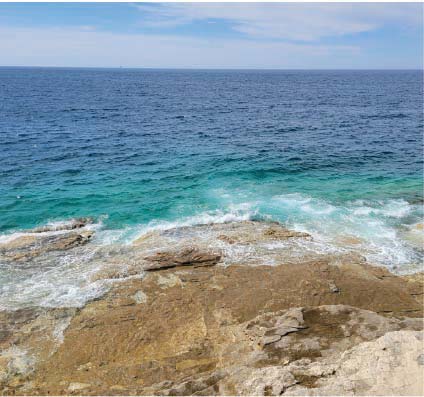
38,242
215,330
28,336
250,231
387,366
187,257
314,325
72,224
278,232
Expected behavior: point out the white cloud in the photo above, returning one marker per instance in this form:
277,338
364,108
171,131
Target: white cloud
289,21
82,47
282,35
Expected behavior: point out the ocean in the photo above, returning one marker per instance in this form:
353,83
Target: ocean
337,154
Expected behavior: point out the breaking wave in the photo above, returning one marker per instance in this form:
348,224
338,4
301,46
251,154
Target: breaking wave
388,233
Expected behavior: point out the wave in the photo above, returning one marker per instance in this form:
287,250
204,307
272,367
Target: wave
380,229
387,232
375,228
381,226
54,228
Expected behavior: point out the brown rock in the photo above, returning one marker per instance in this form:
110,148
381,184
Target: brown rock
28,246
194,329
68,241
188,257
419,226
226,239
114,271
207,332
279,232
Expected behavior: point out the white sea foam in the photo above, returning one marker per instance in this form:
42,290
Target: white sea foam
375,227
392,208
382,231
238,213
52,228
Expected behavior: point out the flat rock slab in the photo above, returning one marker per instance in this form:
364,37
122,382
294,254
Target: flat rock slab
279,232
32,245
188,257
215,330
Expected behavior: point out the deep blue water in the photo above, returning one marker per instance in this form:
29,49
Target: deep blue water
141,145
334,153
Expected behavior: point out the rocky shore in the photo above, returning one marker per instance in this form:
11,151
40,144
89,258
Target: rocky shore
243,308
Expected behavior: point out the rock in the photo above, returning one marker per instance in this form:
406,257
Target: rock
181,337
279,232
140,297
118,388
114,272
76,223
348,240
29,246
316,331
188,257
333,287
270,328
29,336
419,226
85,367
17,361
77,386
146,237
332,364
18,243
168,281
385,366
226,239
306,373
266,381
71,240
203,385
244,243
195,329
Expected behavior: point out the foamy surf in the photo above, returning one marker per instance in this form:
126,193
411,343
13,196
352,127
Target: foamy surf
380,230
387,233
53,228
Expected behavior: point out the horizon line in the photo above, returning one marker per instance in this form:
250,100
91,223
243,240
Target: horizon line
205,68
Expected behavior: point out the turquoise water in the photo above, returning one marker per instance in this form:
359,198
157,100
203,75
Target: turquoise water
329,152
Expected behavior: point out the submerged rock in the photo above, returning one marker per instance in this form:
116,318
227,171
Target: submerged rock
226,239
76,223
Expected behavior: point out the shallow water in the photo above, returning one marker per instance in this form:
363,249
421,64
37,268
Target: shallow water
335,153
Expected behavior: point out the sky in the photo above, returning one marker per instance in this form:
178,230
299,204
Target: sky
213,35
